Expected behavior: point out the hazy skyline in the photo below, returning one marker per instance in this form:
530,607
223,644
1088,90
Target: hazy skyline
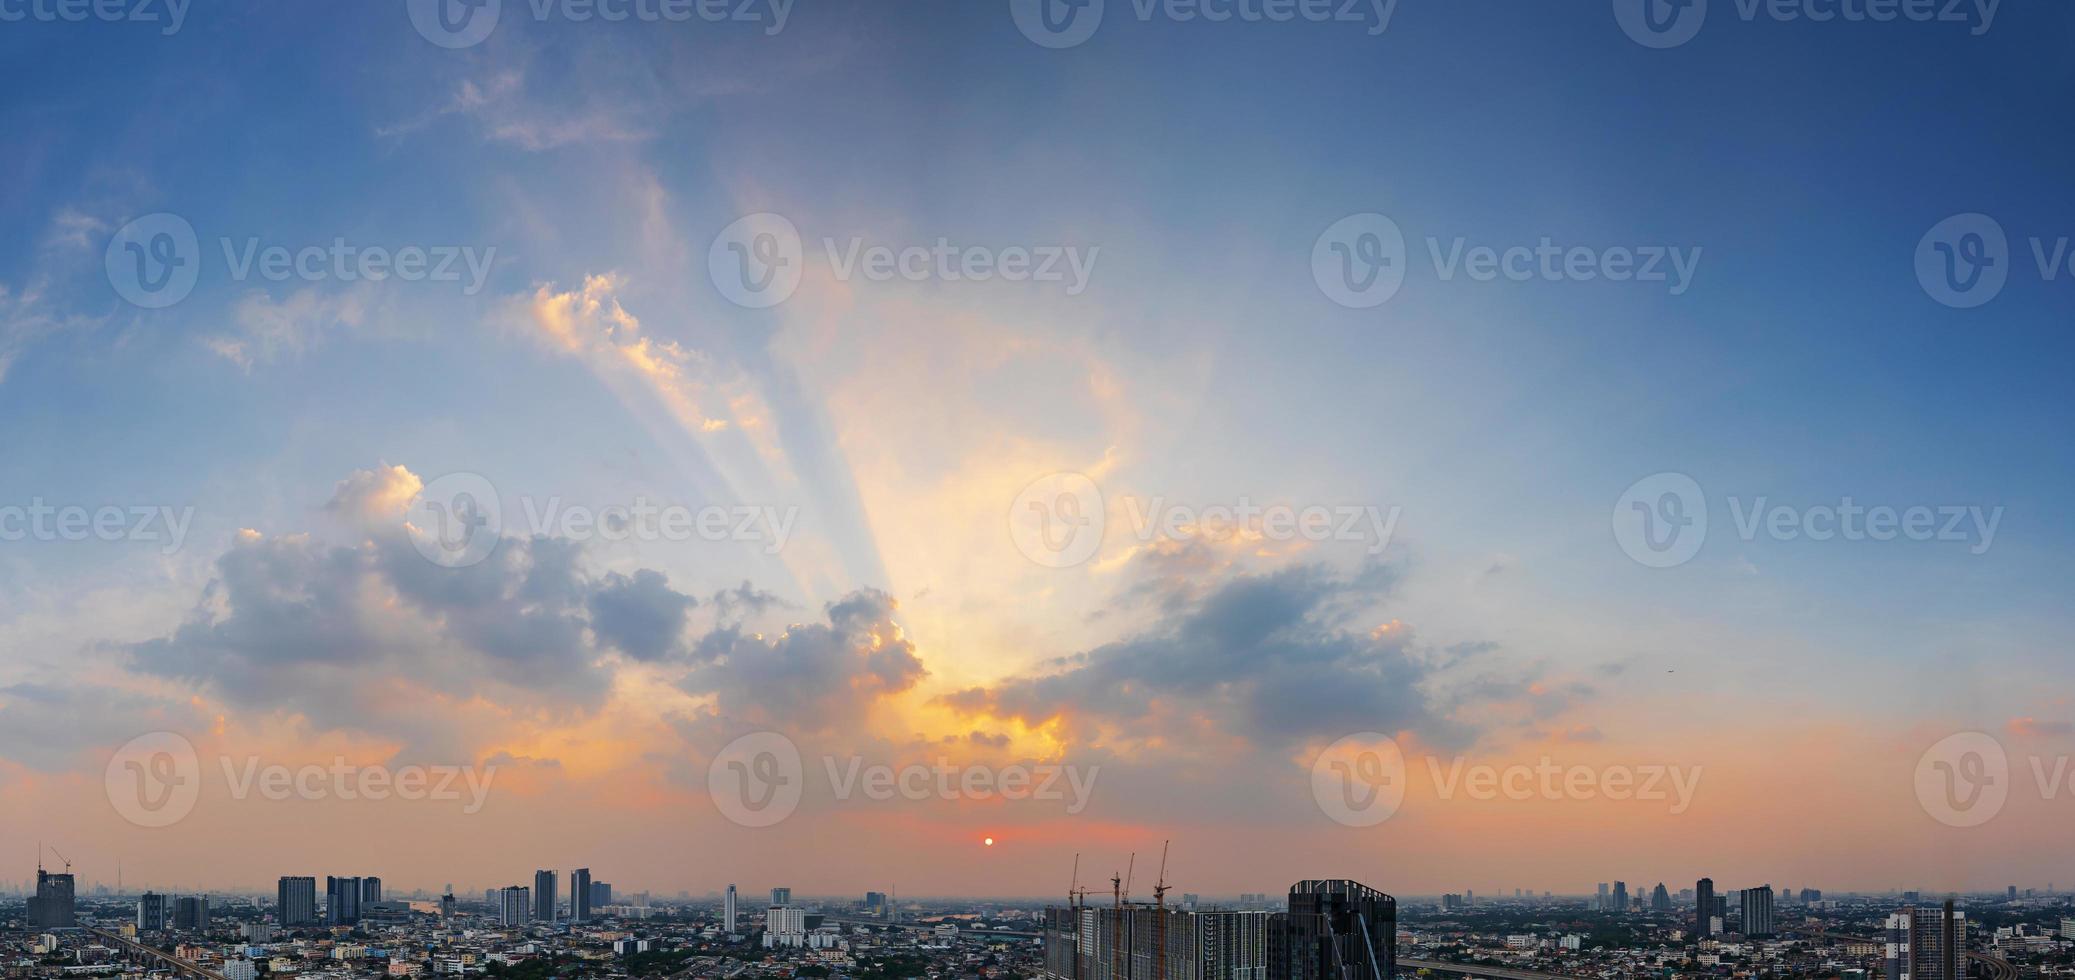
888,379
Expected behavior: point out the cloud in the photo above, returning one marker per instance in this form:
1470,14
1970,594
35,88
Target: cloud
503,112
2029,727
815,677
26,319
51,727
266,330
640,615
1269,658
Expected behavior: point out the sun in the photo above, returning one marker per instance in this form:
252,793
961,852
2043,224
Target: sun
989,842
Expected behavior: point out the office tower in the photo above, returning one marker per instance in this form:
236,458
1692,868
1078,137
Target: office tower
446,904
370,891
580,895
2011,894
53,908
544,896
341,900
1620,896
728,912
515,905
1758,911
1660,899
601,894
151,912
1927,944
295,901
1600,902
1704,907
1338,930
191,914
781,896
874,901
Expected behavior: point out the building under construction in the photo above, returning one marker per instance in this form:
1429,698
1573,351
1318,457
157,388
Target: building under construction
1335,930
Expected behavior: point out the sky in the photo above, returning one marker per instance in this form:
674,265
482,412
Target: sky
1448,445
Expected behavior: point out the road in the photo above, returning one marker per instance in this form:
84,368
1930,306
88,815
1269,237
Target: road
179,965
1469,970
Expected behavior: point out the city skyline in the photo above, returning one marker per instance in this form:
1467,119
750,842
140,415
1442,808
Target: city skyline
903,446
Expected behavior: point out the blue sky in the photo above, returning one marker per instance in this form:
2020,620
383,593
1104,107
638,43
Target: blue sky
1203,363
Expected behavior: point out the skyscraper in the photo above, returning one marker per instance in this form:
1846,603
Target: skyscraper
341,900
544,896
601,894
151,912
1600,900
370,891
52,907
514,906
1704,907
1758,911
1660,899
1621,896
1337,930
295,901
728,912
1927,944
191,913
580,895
781,896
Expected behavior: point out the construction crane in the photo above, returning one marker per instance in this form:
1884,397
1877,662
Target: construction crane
1160,918
61,857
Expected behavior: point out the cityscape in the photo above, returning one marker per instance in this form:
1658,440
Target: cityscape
1037,489
574,926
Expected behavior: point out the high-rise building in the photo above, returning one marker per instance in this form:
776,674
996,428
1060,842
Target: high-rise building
52,908
1337,930
728,912
295,901
875,901
1600,900
544,896
1758,911
601,894
446,904
515,906
191,913
1660,899
1927,944
1620,899
151,912
580,895
1087,943
781,896
1704,907
341,900
370,891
